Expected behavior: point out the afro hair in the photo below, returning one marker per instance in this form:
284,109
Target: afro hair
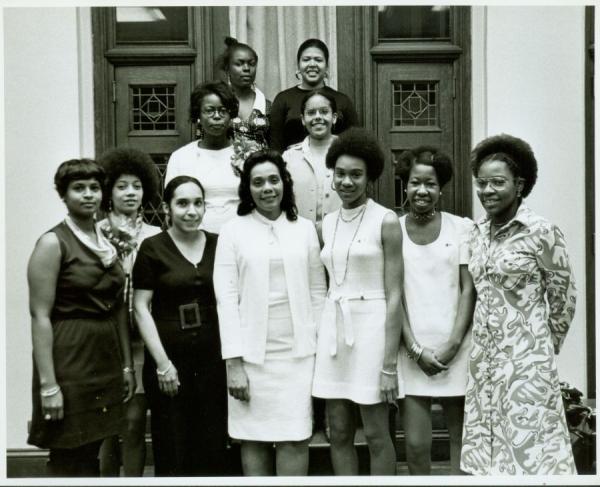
515,152
125,160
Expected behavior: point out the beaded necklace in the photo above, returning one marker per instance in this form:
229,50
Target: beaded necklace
361,213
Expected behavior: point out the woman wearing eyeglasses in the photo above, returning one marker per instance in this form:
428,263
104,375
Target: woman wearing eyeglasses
514,420
209,159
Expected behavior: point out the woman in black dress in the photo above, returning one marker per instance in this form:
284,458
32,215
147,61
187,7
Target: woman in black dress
175,309
82,357
313,66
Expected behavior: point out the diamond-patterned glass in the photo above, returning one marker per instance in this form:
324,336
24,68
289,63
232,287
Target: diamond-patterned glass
153,213
152,107
414,103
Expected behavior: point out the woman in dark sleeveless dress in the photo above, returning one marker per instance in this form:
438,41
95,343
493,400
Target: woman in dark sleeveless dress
81,350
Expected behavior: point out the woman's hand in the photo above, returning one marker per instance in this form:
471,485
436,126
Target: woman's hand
168,382
129,384
52,407
389,387
237,380
429,363
446,352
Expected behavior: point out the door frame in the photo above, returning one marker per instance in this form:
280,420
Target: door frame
357,43
207,26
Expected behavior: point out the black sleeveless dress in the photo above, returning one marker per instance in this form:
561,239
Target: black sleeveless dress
86,350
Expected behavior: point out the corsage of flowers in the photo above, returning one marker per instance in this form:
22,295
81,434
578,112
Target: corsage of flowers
242,148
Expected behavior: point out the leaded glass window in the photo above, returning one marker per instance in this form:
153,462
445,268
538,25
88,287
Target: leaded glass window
415,104
152,107
153,212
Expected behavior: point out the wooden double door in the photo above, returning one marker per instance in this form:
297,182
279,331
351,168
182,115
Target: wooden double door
408,94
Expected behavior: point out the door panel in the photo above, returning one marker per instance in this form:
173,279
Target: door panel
151,107
415,107
151,115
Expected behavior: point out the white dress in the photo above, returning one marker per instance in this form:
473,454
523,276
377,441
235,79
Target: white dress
280,406
432,292
213,169
351,336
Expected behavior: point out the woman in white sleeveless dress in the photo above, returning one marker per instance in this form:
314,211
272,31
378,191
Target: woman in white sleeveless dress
440,298
359,334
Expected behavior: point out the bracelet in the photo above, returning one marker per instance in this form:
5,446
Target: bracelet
164,372
50,392
387,372
415,351
129,370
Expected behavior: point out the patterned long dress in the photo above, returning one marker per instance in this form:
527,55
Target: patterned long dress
514,418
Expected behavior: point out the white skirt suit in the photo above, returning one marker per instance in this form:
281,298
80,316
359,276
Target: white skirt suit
270,288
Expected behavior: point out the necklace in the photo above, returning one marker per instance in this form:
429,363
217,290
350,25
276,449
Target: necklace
352,218
362,214
422,217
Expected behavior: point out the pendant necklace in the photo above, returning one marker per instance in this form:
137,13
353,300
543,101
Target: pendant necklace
361,213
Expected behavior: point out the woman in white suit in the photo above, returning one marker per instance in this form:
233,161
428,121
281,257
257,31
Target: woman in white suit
270,288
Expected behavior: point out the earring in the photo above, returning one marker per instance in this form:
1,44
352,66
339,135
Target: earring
110,205
298,77
441,193
199,130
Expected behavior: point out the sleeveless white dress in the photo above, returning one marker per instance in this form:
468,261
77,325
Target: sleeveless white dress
432,293
351,336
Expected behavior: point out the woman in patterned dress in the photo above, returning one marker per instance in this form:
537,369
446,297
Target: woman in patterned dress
439,297
251,126
80,335
131,182
209,159
359,334
514,417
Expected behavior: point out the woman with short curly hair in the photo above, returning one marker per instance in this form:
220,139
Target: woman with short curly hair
514,420
209,159
79,330
131,182
359,334
439,297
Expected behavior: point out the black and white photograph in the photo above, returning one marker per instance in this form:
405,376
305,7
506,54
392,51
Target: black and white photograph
258,242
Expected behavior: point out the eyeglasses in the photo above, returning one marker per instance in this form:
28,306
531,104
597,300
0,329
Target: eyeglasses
211,111
496,182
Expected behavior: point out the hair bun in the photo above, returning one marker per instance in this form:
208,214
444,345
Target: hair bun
230,41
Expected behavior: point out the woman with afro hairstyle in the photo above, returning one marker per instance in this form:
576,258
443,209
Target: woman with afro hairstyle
514,421
209,159
359,334
131,181
439,298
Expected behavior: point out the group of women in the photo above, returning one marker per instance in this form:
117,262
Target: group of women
278,280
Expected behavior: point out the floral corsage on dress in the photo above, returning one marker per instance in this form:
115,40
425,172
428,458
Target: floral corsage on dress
249,136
